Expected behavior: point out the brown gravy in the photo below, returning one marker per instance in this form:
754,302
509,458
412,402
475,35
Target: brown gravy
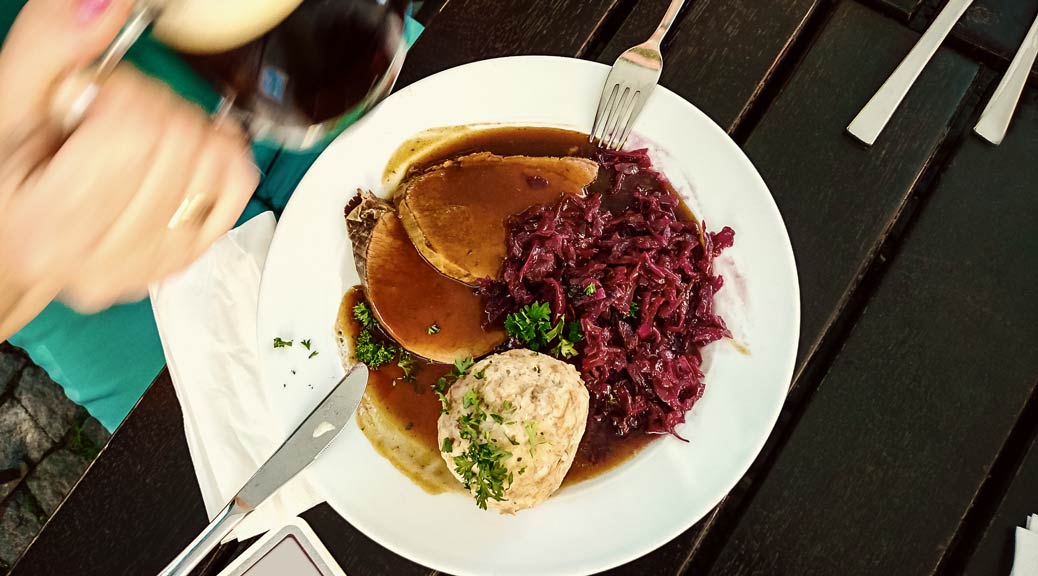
426,151
414,408
413,405
410,297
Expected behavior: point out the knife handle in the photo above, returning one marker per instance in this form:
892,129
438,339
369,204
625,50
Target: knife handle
994,121
209,539
871,120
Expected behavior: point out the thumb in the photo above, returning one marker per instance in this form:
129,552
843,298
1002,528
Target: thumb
50,40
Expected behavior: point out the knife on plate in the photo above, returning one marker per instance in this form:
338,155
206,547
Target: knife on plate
300,449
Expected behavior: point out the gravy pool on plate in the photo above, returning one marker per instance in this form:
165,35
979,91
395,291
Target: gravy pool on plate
628,407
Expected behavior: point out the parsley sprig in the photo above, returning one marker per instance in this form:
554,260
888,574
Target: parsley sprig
282,343
461,368
372,352
363,315
533,328
407,363
531,435
482,466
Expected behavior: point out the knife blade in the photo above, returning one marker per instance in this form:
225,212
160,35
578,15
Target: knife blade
301,448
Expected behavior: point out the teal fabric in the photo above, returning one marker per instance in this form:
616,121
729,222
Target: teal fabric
106,361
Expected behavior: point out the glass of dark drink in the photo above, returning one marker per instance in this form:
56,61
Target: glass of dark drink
293,72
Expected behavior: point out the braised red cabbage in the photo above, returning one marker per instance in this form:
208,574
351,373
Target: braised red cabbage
651,308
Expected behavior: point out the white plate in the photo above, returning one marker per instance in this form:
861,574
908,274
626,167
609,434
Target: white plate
628,511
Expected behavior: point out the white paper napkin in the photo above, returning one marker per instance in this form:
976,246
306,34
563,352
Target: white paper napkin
1025,552
206,317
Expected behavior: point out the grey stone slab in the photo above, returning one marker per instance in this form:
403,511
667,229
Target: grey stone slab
10,478
21,439
10,363
20,520
46,402
95,433
54,477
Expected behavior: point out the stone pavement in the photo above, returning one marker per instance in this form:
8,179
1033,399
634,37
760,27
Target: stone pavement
46,443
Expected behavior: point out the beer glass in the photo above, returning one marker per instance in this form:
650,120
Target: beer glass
292,72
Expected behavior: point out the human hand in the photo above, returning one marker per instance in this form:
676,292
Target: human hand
141,188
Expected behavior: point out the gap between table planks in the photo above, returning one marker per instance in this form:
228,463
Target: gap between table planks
994,552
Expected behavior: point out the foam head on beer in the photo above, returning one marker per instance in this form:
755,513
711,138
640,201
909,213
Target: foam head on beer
212,26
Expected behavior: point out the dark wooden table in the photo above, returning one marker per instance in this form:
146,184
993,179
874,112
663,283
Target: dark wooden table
908,441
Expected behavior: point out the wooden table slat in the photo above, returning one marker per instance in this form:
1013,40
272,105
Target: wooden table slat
478,30
838,198
355,552
997,26
721,53
994,554
902,432
903,7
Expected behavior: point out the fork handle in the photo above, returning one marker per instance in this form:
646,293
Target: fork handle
668,21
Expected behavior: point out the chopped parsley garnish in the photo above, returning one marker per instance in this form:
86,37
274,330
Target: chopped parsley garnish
374,354
529,324
448,445
433,329
532,327
312,354
407,363
590,289
440,389
481,467
565,348
531,435
461,367
279,343
305,343
632,312
363,315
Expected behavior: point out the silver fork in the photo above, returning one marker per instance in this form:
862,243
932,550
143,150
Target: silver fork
629,84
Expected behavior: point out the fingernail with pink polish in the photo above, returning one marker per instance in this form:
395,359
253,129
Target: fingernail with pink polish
89,10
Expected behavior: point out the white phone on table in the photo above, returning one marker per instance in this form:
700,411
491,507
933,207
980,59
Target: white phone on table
292,549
